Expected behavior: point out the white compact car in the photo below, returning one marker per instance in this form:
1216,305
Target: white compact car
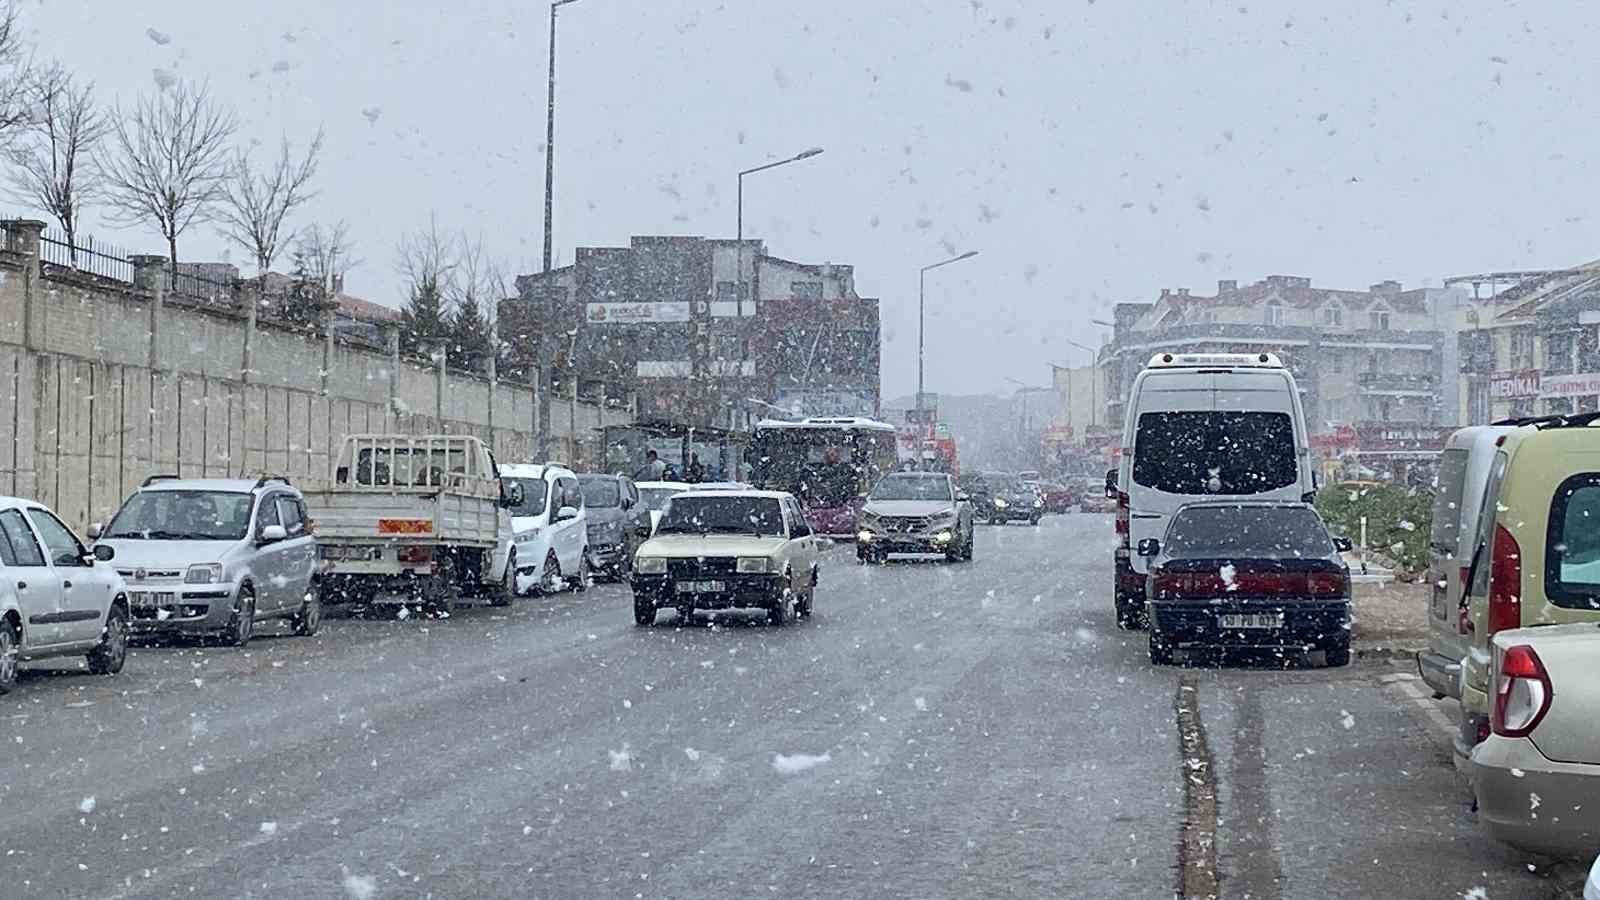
725,550
56,597
655,494
551,543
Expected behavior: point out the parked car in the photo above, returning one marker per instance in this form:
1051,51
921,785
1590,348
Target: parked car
655,494
617,523
728,549
1058,497
56,597
1591,887
998,498
1247,575
1537,775
1203,426
1536,556
915,512
1457,503
214,556
551,527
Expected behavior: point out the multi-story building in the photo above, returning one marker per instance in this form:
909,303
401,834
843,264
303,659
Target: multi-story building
702,331
1368,363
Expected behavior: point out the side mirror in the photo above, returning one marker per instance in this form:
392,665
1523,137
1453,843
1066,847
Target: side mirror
272,533
1149,547
1343,544
1111,484
627,503
513,495
566,512
95,530
104,552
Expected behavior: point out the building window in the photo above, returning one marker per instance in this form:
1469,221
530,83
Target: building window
1333,316
805,290
1522,349
1274,313
1379,320
1335,362
1558,354
729,291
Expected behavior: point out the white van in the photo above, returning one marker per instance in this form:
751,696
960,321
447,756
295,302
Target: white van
551,527
1204,426
1457,502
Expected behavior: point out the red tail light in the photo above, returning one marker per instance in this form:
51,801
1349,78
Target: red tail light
1328,584
1252,584
1505,582
1123,514
1522,692
414,554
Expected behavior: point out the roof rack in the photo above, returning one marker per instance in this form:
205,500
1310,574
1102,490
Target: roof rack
1576,420
155,478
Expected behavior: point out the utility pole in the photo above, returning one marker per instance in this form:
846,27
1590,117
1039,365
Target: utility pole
544,354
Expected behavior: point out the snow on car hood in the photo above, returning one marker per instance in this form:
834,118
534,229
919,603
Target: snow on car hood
682,546
133,553
910,508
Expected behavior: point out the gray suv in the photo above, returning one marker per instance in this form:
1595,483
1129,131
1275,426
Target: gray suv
211,556
618,523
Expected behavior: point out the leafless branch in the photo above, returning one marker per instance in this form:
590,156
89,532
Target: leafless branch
325,253
425,259
255,204
16,72
52,168
168,160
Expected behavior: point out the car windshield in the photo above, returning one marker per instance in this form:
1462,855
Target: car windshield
182,515
599,493
534,494
1247,531
656,498
911,487
733,514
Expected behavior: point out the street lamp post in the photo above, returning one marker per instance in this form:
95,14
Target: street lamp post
1093,377
922,284
738,243
550,136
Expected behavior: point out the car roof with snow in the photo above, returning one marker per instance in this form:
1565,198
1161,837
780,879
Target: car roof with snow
227,485
724,494
665,485
533,470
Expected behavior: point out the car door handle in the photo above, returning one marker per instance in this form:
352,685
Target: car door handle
66,584
22,585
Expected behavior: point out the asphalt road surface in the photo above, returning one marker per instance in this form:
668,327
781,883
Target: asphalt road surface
935,730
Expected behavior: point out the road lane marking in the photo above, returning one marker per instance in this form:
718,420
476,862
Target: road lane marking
1197,845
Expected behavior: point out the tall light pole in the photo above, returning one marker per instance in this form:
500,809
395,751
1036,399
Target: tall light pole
1094,375
922,283
550,136
738,243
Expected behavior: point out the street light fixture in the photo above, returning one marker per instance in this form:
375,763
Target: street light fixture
738,244
922,283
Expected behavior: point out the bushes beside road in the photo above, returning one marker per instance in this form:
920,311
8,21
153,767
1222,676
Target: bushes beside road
1397,519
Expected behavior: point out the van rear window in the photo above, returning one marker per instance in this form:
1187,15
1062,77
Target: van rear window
1200,452
1572,544
1445,532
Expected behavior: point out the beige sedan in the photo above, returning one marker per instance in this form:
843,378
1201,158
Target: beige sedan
1538,775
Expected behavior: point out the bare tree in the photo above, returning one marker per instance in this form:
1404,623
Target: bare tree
16,72
169,160
53,169
323,254
255,203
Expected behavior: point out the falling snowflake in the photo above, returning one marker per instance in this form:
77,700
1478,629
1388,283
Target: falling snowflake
86,805
158,37
799,762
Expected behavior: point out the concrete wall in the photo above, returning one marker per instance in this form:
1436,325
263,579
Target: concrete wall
89,417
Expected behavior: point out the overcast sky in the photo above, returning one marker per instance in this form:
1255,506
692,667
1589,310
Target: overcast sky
1093,152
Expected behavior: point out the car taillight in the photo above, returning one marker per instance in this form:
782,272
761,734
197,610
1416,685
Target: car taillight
1171,586
414,554
1505,582
1328,584
1522,692
1123,515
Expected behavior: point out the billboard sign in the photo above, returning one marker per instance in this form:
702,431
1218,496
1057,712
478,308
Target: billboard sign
1507,385
635,313
818,402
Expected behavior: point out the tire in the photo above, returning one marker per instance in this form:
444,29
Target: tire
966,549
585,576
1160,650
506,591
9,652
685,614
107,659
644,612
1127,620
1034,520
550,575
308,620
242,625
1338,655
996,520
802,606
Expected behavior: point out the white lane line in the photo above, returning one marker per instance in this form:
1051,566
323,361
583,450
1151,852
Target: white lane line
1426,706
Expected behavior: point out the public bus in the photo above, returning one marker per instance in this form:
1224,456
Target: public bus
828,463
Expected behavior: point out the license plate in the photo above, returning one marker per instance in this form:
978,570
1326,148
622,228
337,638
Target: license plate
345,553
1252,620
701,587
150,599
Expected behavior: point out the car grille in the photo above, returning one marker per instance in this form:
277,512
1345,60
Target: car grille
705,565
153,574
898,524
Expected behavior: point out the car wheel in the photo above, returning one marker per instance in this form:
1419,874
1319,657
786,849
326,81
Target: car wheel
1338,654
506,591
1127,620
1033,520
108,657
550,578
966,549
1160,650
996,520
8,656
644,611
802,606
242,625
685,614
309,618
585,576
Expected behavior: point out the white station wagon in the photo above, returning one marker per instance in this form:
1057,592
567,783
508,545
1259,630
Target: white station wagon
724,550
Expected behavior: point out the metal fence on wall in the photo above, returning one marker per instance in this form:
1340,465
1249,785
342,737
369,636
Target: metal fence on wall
90,256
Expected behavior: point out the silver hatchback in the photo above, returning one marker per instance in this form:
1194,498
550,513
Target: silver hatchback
212,556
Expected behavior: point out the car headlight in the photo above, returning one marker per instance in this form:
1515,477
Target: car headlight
1038,503
204,573
864,535
650,565
527,536
1000,503
754,565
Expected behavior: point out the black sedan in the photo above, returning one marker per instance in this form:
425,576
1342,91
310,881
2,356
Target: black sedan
1262,576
